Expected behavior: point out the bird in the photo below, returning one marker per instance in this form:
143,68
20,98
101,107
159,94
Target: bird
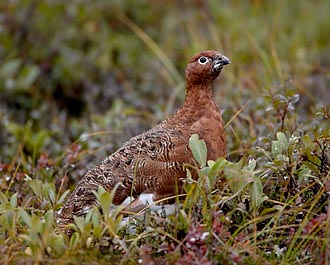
150,166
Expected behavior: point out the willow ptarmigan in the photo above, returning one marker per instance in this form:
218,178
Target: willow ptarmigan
149,166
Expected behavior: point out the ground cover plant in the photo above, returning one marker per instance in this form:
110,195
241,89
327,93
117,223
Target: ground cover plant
78,79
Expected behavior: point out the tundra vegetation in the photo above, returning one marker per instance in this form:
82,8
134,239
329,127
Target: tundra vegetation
78,78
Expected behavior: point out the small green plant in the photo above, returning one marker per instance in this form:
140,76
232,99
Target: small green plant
33,228
39,236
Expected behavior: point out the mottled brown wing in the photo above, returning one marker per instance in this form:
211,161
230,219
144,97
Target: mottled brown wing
151,162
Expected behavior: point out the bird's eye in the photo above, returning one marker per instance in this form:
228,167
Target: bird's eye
203,60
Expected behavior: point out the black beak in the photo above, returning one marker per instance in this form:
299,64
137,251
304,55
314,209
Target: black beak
220,61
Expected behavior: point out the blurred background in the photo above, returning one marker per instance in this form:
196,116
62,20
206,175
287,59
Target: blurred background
78,78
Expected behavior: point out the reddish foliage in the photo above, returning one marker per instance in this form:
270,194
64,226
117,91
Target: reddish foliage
44,162
314,223
196,246
72,153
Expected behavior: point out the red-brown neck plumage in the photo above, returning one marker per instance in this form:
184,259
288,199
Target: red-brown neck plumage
198,95
198,102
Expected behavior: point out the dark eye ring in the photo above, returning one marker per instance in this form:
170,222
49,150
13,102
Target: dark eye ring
203,60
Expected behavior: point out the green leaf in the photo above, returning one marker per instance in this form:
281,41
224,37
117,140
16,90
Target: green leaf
59,244
105,201
283,158
282,140
13,200
307,141
74,241
252,164
3,198
304,174
198,149
216,166
256,193
49,191
49,219
79,221
276,148
213,170
95,217
36,186
238,183
25,217
63,196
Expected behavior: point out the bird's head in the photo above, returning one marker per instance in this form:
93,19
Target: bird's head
204,67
